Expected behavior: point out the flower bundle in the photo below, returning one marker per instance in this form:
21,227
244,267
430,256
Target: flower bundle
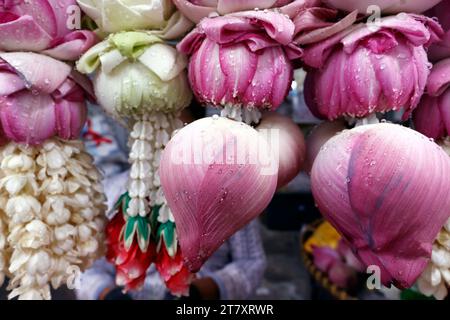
241,61
52,202
140,80
355,72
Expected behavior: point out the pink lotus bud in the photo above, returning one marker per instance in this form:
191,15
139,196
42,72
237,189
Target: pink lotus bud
40,97
317,138
287,142
441,50
385,6
432,116
242,59
377,187
217,175
370,68
44,26
196,10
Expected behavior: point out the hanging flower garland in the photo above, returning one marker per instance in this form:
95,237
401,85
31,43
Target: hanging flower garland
52,202
140,81
51,195
240,63
362,70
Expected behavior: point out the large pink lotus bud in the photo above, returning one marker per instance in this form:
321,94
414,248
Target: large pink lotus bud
432,117
318,137
40,97
370,67
386,189
385,6
441,49
217,175
285,140
242,59
196,10
46,26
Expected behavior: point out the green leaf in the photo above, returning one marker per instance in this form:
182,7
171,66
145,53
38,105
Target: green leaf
121,198
130,229
125,202
167,230
154,217
143,233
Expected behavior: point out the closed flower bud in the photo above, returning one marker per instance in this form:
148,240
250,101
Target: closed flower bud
242,59
432,116
136,74
366,69
43,26
217,175
441,50
40,98
374,183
